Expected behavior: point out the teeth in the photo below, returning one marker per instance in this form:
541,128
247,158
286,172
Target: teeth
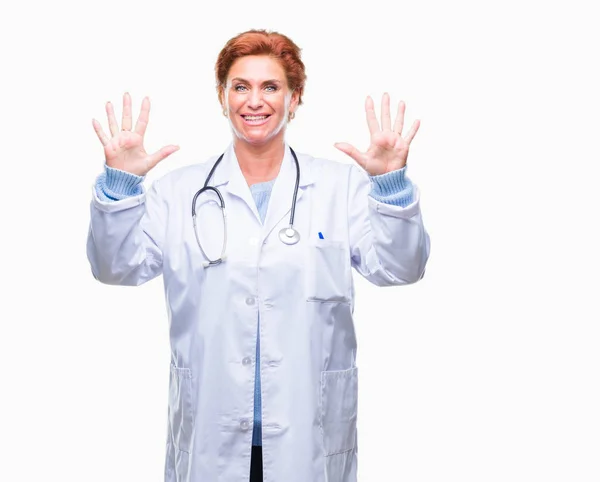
255,117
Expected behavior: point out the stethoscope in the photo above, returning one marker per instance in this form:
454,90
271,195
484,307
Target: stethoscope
287,235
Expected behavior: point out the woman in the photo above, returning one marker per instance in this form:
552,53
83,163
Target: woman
263,379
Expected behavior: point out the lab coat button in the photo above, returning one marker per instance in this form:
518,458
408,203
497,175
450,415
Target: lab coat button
246,361
244,424
249,301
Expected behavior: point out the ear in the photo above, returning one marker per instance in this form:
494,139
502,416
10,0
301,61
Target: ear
294,101
221,93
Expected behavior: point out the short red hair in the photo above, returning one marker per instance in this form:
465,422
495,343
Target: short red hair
261,42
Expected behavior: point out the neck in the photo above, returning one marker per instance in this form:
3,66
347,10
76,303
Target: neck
259,163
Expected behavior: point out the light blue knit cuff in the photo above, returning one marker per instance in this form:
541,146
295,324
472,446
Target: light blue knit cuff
115,184
393,187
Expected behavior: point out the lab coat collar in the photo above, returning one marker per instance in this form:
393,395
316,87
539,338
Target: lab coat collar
229,171
229,174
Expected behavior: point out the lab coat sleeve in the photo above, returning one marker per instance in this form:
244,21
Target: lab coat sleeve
388,244
125,237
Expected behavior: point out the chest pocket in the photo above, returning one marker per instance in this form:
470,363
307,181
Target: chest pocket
326,271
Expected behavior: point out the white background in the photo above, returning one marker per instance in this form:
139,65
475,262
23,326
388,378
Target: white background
486,370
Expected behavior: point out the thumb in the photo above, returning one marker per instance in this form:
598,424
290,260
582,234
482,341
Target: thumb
352,151
161,154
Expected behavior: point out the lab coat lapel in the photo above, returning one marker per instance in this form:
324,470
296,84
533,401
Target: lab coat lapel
230,173
282,195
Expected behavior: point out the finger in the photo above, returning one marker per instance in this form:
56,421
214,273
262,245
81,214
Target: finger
126,122
159,155
112,122
371,118
352,151
100,133
142,122
399,124
413,131
386,120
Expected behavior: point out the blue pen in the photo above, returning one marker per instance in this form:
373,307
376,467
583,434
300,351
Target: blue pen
321,235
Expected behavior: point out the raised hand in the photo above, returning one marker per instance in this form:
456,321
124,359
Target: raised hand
125,149
388,150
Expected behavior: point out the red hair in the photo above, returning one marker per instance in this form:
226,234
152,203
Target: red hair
261,42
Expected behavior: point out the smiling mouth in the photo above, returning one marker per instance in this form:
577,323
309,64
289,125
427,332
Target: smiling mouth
255,120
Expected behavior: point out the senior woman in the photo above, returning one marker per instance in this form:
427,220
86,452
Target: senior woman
263,378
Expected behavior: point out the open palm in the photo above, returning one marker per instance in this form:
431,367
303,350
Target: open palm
388,150
125,149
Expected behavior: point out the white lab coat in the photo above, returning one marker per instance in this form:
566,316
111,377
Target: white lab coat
304,294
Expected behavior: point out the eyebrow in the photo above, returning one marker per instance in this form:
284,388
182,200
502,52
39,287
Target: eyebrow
270,81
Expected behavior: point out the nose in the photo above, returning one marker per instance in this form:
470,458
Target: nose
255,100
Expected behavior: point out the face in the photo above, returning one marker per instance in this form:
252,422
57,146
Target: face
257,99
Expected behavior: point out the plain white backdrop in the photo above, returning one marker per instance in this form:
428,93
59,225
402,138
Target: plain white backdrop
485,370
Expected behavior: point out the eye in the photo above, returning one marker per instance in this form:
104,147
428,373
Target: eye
273,86
236,88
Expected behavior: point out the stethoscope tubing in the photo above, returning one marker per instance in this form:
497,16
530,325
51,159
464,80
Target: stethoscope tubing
287,235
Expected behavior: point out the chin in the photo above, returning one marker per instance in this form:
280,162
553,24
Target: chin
256,138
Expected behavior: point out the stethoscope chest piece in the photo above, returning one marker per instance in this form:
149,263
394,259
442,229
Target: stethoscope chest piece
289,235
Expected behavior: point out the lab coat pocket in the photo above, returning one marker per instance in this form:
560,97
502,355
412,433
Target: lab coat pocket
339,406
326,272
181,408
